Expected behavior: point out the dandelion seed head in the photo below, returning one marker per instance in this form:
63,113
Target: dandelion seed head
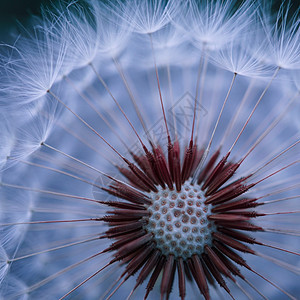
283,37
148,17
241,57
214,23
150,149
77,26
34,72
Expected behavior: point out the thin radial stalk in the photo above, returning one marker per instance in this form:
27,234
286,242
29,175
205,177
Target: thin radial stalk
81,139
201,90
73,158
250,284
84,281
87,165
87,100
241,106
266,244
171,96
116,102
100,136
281,213
276,157
57,274
282,231
63,210
196,94
131,96
270,128
272,283
47,192
278,171
253,110
243,291
255,136
280,263
221,112
159,88
281,199
85,123
60,172
206,152
215,96
116,288
51,222
282,190
53,249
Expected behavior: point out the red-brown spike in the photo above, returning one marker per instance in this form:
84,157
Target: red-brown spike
215,172
124,238
208,168
155,167
177,166
125,228
192,163
223,177
171,158
217,262
171,281
187,271
163,168
148,267
133,245
118,218
239,204
197,160
119,227
214,271
124,205
207,273
146,180
143,163
232,268
166,277
240,225
199,276
129,257
125,192
232,243
238,235
229,192
133,179
154,276
187,163
227,217
129,212
138,260
231,254
181,278
245,213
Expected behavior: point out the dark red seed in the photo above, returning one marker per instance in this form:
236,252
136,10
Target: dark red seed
232,243
208,168
181,278
215,172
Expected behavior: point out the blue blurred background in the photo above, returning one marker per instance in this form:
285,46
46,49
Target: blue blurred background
17,10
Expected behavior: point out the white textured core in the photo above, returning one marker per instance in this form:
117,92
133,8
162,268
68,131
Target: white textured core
179,221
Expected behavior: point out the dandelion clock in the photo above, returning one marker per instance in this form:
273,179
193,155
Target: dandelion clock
150,150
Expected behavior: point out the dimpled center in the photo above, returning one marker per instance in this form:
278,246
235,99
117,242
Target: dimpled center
178,221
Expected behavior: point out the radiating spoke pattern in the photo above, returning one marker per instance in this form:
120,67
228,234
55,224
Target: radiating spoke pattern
150,150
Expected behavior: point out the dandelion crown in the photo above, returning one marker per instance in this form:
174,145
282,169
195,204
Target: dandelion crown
150,149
